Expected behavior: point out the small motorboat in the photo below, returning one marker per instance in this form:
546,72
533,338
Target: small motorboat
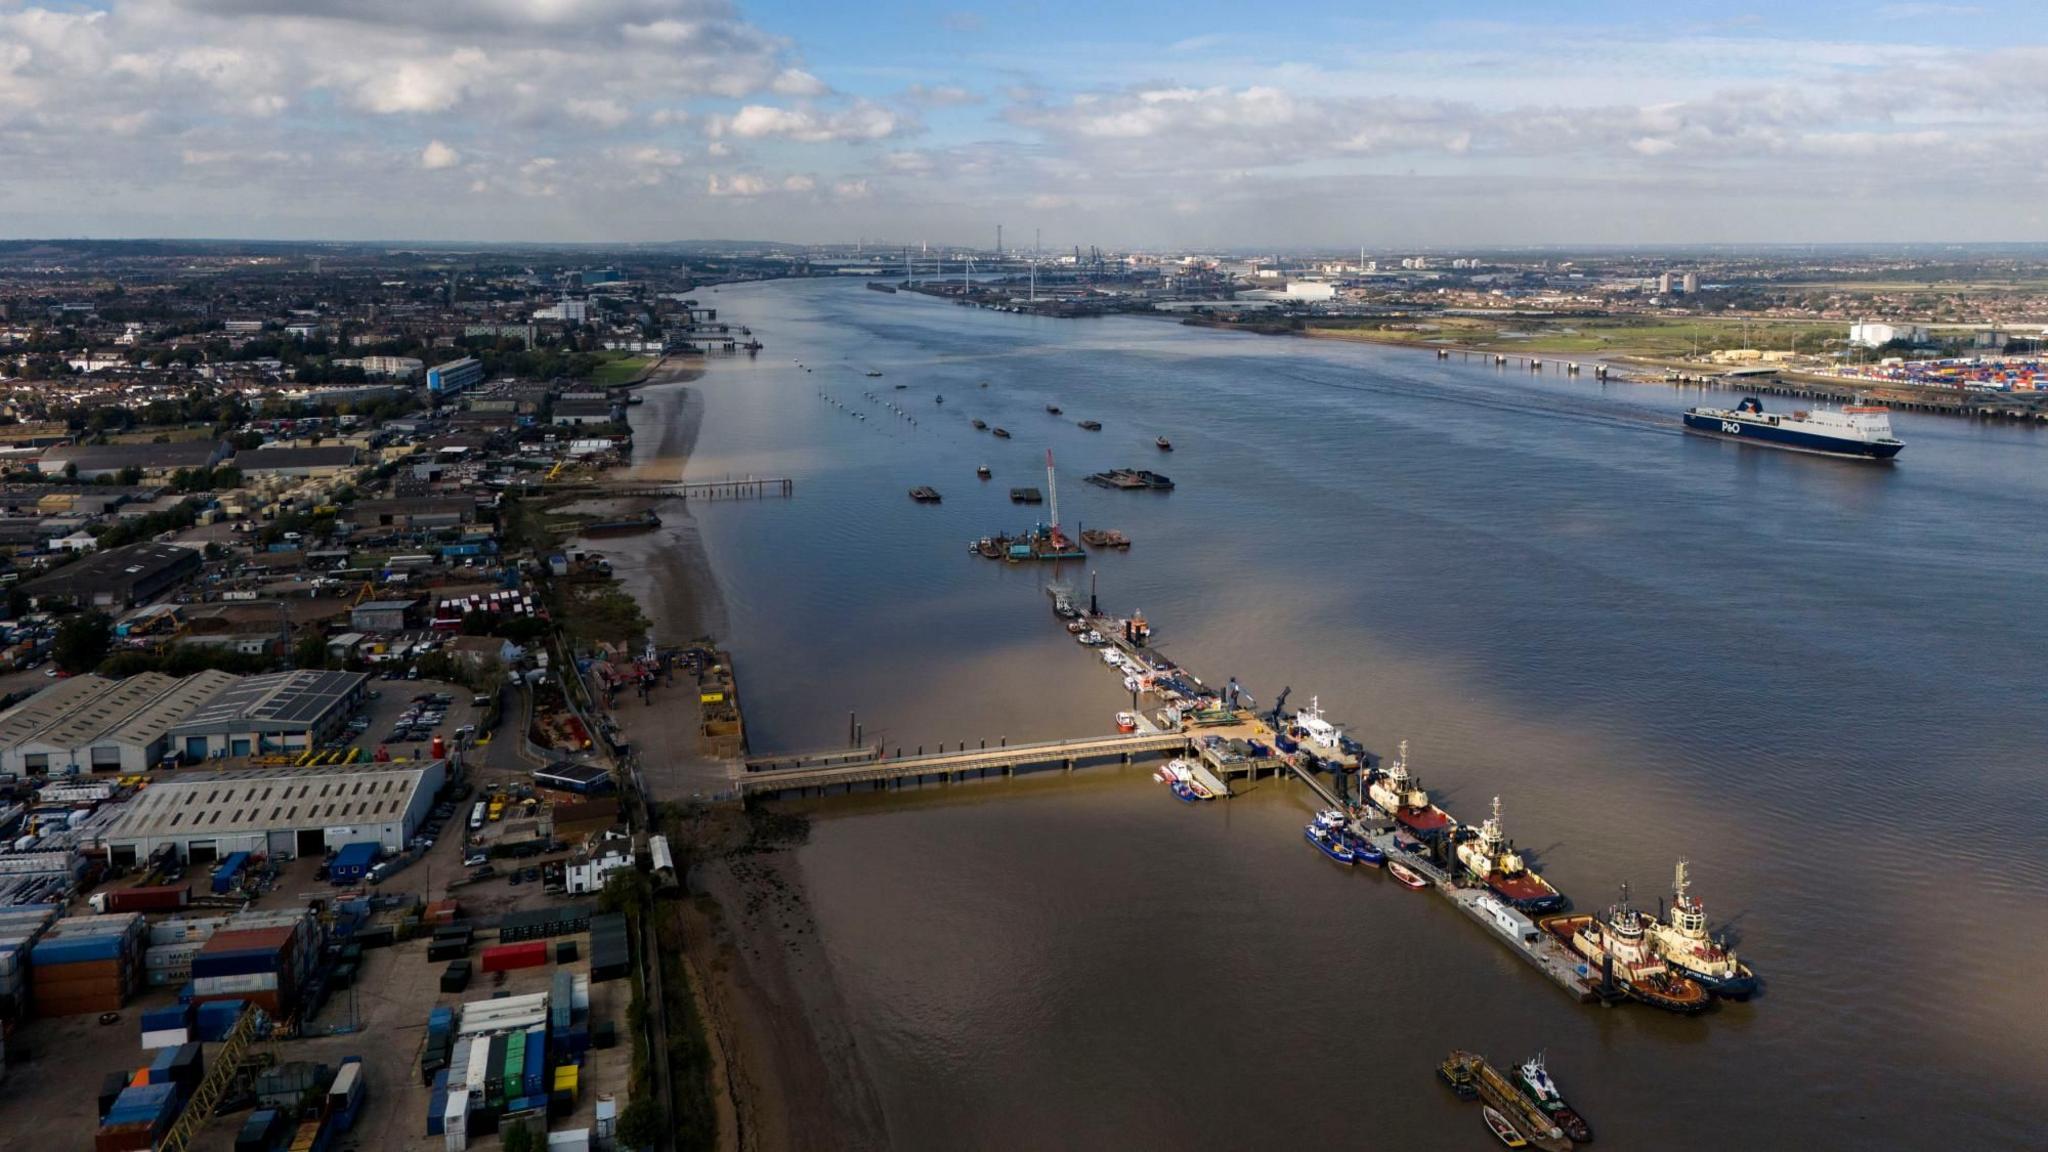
979,425
938,399
1091,425
1112,657
1200,789
1076,627
925,494
1053,408
984,383
1125,722
1327,844
1330,818
1092,639
1133,684
1185,792
1502,1128
983,472
1405,876
902,386
1000,434
874,372
1165,445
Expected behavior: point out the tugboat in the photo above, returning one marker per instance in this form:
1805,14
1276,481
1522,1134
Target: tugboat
1404,797
1309,725
1616,947
1320,836
983,472
1001,434
980,425
1494,862
1508,1112
1684,944
1165,445
1534,1079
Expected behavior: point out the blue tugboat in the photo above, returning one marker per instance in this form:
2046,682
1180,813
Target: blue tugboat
1330,846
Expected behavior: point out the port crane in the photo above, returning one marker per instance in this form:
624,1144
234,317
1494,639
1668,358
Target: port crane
1279,706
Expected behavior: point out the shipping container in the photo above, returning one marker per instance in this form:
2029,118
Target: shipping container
227,875
353,862
345,1095
260,1131
507,957
164,898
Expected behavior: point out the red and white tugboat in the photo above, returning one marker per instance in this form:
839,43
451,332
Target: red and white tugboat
1493,861
1403,797
1617,947
1684,944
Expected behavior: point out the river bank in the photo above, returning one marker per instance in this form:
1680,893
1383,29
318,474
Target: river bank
785,1069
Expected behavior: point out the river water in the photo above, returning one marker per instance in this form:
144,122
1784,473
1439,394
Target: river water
1818,681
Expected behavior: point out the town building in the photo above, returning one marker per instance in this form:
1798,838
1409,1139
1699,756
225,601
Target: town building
455,376
575,413
283,812
398,367
320,462
382,616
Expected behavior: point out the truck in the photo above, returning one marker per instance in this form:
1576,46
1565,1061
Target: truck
345,1095
163,898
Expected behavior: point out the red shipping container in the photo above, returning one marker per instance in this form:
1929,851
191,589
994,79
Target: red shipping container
506,957
136,1137
163,898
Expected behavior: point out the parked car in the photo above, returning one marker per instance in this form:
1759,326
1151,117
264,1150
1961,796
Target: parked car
474,859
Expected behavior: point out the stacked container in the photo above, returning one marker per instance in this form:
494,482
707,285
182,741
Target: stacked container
507,957
88,964
19,929
139,1117
166,1027
437,1105
214,1019
169,965
260,1131
260,965
610,955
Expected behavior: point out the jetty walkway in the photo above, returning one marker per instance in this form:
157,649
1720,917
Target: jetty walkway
847,770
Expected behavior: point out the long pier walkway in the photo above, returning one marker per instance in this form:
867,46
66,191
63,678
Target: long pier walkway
754,488
823,771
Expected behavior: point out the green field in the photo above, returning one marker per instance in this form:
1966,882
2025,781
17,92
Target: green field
613,373
1591,336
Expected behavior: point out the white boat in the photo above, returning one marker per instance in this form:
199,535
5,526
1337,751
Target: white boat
1133,684
1126,722
1314,728
1112,657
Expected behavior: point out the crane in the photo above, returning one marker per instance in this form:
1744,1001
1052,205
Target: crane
1279,706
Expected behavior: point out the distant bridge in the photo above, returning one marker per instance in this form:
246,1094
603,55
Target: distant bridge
755,488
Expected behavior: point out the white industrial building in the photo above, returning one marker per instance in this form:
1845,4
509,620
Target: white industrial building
93,724
283,812
1872,334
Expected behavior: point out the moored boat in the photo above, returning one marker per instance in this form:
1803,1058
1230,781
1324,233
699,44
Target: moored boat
1126,722
1532,1076
1407,877
925,494
1403,797
1053,408
1615,946
1164,444
983,472
1104,538
1501,1128
1493,861
1000,434
1684,943
980,425
1327,843
1364,849
1091,425
1184,792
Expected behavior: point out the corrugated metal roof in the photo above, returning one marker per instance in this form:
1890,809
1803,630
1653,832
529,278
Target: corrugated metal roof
264,799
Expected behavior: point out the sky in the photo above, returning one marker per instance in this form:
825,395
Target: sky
1120,123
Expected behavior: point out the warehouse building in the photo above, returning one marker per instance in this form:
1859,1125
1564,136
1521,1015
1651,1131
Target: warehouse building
92,461
92,724
301,463
275,712
118,577
284,812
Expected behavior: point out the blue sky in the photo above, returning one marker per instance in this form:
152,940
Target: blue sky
1185,125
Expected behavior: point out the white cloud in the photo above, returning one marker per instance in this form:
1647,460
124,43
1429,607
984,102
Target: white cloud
741,185
852,190
437,155
797,82
861,121
604,113
799,184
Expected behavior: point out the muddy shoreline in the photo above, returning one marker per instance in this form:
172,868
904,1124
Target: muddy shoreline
788,1073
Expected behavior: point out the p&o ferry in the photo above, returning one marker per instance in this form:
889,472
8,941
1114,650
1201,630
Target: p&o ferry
1861,432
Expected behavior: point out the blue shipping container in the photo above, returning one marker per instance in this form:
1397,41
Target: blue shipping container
240,962
164,1019
74,949
225,876
217,1017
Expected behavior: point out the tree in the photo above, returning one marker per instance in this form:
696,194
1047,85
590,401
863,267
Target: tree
640,1124
83,641
311,651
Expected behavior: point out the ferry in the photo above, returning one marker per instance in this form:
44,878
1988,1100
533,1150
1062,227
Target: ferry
1684,944
1493,861
1321,838
1534,1080
1402,796
1862,432
1616,946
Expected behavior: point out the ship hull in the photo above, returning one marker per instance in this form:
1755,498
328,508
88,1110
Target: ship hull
1740,986
1526,892
1790,439
1426,823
